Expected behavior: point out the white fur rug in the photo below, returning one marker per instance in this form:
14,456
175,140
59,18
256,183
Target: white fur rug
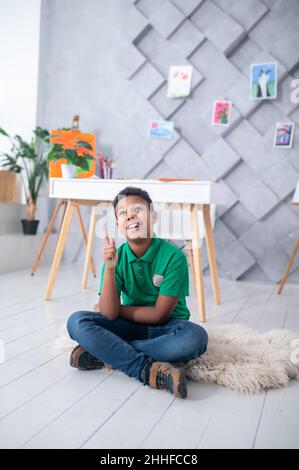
237,357
242,359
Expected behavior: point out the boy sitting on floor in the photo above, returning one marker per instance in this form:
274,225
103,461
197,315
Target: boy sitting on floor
149,334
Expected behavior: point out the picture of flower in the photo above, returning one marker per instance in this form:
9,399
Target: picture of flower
179,81
221,113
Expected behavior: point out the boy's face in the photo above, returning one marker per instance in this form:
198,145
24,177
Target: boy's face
134,218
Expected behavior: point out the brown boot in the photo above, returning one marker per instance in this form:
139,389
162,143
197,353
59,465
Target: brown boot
82,360
164,375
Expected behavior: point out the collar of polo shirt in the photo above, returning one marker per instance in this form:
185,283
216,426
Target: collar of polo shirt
149,255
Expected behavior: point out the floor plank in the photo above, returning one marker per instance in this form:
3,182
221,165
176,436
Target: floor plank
280,410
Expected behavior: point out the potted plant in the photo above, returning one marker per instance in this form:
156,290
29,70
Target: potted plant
56,151
28,160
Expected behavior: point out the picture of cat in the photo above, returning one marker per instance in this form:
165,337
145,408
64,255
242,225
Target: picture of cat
263,81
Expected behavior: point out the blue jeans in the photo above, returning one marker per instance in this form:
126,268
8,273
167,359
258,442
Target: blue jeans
132,347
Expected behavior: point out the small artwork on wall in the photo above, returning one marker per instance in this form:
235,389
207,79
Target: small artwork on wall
263,81
161,129
179,81
283,135
221,113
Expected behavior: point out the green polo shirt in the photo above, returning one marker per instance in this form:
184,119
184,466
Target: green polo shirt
163,269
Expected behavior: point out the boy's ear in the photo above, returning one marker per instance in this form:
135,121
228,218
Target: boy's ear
155,216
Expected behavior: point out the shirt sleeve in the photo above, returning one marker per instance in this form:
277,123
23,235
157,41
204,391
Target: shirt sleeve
176,278
118,280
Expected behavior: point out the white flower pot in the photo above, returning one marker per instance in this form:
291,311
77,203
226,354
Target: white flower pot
68,171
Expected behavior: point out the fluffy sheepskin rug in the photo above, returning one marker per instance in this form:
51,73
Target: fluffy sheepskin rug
242,359
237,357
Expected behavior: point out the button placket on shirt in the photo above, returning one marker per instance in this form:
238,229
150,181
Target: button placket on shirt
140,272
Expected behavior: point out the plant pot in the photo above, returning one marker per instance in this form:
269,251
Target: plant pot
29,226
68,171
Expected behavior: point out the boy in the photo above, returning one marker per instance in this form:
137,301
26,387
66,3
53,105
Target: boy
149,332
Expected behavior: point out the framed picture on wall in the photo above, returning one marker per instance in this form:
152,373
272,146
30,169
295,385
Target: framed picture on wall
179,81
161,129
283,135
263,81
221,113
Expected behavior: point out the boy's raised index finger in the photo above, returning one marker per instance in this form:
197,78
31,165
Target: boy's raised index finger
106,236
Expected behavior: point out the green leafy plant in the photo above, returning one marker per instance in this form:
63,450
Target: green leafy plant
56,151
29,160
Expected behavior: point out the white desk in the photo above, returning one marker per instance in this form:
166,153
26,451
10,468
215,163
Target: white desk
195,195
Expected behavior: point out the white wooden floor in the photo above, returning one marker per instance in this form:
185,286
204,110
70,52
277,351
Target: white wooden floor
44,403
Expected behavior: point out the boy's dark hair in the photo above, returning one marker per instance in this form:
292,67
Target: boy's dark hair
132,191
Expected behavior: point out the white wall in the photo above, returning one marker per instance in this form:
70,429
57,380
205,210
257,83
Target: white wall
19,58
19,50
19,65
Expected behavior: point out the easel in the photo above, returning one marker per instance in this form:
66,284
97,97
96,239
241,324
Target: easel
290,263
63,203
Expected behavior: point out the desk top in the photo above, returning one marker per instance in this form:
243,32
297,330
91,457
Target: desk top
196,192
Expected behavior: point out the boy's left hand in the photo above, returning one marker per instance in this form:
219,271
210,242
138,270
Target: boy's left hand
96,308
